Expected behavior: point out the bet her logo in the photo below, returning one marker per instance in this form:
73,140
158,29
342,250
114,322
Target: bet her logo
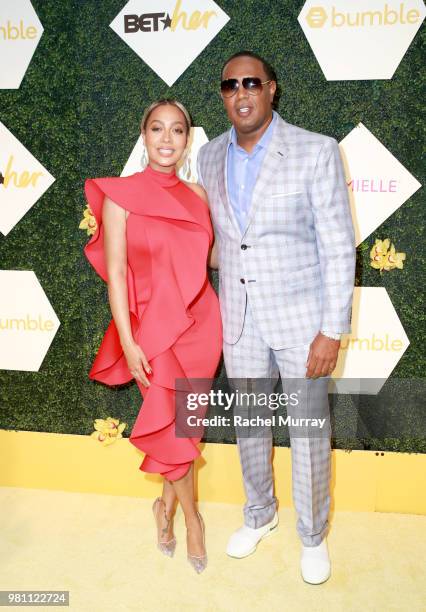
153,22
387,16
169,34
22,179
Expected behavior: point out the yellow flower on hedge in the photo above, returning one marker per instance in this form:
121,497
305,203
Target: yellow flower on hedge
383,258
108,430
378,254
394,260
88,222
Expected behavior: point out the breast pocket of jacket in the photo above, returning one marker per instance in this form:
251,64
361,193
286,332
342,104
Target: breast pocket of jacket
285,211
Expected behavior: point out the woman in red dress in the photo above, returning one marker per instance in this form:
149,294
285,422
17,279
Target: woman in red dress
151,245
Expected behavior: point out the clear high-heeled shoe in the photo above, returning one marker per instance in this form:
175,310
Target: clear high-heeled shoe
168,547
197,562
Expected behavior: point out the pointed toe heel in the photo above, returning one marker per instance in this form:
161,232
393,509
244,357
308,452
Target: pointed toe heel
199,563
168,547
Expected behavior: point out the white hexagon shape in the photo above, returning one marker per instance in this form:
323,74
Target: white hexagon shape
169,34
197,138
20,33
28,322
23,180
371,351
378,183
365,39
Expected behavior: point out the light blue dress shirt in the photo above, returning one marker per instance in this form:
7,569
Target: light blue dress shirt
243,169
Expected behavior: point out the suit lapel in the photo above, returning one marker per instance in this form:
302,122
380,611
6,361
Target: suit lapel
222,173
275,154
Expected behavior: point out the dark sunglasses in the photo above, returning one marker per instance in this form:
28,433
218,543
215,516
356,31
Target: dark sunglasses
253,85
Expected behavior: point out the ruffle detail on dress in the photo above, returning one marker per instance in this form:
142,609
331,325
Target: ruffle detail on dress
163,320
142,196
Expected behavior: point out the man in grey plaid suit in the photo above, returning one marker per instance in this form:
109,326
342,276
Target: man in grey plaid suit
286,256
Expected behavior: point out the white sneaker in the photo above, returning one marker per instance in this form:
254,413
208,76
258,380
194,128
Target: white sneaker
315,563
244,541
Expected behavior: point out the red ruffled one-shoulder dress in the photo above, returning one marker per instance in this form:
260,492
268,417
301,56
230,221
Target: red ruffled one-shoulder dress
174,310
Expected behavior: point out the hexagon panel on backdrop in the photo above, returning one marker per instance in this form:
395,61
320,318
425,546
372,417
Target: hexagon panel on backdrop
169,34
372,350
20,33
197,138
361,39
23,180
28,322
378,183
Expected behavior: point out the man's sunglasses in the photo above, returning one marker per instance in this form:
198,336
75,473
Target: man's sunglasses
253,85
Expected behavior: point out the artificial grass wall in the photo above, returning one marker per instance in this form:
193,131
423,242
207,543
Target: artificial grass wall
78,111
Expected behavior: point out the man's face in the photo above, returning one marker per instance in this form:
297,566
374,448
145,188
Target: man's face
247,112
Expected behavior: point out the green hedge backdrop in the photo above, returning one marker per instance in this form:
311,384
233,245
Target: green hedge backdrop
78,111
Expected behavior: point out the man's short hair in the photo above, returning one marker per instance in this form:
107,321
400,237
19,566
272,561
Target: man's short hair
269,71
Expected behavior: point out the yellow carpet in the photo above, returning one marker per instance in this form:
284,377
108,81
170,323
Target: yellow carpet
101,548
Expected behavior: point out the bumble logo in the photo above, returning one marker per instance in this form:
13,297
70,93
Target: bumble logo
375,345
9,31
316,17
28,322
23,180
168,35
344,35
20,33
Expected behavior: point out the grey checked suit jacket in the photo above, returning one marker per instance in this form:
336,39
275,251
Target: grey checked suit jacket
296,258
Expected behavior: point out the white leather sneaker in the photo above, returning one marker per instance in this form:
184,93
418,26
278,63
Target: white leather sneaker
315,563
244,541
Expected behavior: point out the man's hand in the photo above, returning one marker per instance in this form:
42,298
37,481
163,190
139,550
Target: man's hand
322,356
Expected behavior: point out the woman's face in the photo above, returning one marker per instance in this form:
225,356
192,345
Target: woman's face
165,137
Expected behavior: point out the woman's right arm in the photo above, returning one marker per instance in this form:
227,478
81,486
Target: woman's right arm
213,260
114,219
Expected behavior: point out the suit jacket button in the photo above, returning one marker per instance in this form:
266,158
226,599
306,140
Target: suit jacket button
244,246
242,281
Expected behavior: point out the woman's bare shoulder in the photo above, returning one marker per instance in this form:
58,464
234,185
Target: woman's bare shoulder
116,209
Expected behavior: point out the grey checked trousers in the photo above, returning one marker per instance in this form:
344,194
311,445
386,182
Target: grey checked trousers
251,357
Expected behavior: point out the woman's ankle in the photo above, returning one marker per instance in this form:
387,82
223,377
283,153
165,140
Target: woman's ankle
192,520
168,506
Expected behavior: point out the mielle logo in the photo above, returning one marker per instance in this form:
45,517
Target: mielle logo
21,180
10,31
390,15
26,324
149,22
373,185
373,343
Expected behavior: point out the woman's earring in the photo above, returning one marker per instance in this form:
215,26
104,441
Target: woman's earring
144,159
186,168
